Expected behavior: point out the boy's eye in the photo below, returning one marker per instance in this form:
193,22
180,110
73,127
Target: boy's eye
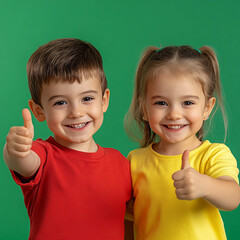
187,103
161,103
59,103
87,99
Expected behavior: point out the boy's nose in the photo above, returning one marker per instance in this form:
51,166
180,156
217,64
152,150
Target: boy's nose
75,112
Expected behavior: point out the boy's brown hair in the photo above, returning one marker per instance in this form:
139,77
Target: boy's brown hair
65,60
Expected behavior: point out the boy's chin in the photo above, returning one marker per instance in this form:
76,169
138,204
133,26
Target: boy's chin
80,144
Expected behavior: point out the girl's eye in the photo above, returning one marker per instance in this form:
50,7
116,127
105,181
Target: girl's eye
87,99
161,103
59,103
187,103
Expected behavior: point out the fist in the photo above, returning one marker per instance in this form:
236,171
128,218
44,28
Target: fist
187,181
19,139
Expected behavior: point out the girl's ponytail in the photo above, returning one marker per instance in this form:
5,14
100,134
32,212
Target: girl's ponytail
142,132
215,84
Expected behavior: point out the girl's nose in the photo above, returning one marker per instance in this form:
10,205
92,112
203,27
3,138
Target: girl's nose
174,114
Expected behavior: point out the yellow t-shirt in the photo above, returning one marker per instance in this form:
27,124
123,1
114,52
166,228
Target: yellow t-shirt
158,214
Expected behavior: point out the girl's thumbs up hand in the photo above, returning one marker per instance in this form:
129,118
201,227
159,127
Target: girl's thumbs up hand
187,181
185,160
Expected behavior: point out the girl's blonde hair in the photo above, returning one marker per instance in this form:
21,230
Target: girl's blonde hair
201,65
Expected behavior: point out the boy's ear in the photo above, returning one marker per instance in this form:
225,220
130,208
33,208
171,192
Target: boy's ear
209,107
105,100
36,110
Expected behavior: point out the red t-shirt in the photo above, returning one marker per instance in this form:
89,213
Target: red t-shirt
77,195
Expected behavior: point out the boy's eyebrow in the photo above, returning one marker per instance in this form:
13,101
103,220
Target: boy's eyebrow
82,93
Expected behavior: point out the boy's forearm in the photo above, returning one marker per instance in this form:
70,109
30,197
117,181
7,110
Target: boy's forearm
25,166
223,193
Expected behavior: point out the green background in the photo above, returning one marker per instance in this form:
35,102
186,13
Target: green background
120,30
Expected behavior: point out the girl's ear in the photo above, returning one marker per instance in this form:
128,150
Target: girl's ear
143,109
36,110
209,107
105,100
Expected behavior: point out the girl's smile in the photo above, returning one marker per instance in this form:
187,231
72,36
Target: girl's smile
174,127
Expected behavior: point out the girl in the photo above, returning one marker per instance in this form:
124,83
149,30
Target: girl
174,95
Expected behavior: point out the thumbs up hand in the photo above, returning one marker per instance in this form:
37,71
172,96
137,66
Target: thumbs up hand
187,181
19,139
185,160
27,119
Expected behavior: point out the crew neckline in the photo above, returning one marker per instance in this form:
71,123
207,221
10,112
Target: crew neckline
150,148
84,155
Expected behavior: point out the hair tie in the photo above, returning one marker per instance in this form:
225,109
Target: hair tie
197,50
159,49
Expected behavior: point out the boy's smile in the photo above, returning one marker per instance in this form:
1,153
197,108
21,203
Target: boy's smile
77,126
74,112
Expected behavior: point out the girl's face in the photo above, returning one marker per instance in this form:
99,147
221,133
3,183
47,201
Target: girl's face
175,108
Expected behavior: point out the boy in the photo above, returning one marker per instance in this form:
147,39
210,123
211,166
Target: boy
73,188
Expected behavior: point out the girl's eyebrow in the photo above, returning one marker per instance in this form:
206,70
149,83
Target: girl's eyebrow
183,97
63,96
190,96
157,96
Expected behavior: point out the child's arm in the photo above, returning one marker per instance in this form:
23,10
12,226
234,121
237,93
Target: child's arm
128,222
223,192
128,230
17,151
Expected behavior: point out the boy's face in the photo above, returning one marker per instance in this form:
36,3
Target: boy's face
74,112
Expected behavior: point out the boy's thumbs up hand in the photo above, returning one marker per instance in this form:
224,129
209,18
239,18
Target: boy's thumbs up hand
27,119
187,181
19,139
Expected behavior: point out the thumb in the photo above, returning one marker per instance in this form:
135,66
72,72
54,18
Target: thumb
27,119
185,160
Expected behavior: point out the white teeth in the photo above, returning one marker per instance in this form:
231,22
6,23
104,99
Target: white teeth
81,125
174,127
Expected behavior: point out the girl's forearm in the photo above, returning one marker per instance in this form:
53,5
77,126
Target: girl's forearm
223,192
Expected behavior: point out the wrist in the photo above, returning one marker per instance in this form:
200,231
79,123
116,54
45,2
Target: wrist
206,183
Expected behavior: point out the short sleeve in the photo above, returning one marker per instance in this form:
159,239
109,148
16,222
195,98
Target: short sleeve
221,162
39,148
